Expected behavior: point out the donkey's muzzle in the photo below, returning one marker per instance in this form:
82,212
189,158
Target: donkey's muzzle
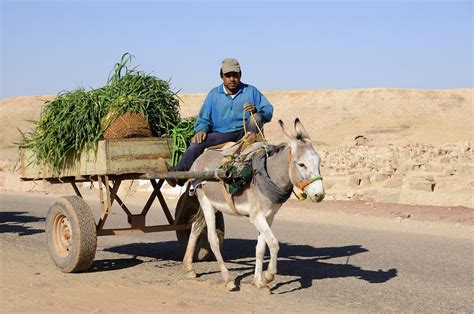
318,197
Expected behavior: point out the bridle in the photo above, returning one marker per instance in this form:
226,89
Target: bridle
300,184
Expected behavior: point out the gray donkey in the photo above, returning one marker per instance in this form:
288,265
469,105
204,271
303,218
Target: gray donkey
288,165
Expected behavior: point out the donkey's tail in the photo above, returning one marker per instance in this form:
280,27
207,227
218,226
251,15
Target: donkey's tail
199,219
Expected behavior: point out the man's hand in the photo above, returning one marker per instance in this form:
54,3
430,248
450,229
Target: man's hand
199,137
249,107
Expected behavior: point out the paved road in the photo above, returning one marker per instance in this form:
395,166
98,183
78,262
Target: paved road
321,266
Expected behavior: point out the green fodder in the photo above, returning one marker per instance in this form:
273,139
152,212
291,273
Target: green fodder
181,135
74,121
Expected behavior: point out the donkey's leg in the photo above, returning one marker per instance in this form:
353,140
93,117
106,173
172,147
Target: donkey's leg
260,255
209,214
196,229
263,227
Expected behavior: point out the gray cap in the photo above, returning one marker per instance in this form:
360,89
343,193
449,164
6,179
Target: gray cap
230,65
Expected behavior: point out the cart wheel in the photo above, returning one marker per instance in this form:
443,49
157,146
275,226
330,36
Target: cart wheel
190,207
71,234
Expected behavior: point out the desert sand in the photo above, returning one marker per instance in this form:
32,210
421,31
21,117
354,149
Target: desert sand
406,146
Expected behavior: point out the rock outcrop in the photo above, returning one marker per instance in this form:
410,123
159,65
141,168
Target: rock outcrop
414,174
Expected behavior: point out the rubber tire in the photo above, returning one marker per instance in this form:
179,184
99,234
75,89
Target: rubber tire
203,250
83,238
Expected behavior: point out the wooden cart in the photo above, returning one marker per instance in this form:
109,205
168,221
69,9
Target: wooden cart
71,229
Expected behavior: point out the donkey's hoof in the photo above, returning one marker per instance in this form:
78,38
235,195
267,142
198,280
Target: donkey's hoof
191,274
230,285
265,290
261,284
268,277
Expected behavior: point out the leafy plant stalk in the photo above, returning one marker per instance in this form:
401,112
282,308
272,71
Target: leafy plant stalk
75,121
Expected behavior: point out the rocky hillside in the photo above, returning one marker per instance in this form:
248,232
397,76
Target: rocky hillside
391,145
411,173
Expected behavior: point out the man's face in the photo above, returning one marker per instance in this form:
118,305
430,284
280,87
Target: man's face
231,81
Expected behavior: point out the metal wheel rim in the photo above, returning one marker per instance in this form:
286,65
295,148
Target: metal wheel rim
62,235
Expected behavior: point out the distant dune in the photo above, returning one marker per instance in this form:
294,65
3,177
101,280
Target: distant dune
330,116
335,116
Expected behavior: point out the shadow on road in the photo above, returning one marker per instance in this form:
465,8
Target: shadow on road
304,263
168,251
17,222
113,264
307,263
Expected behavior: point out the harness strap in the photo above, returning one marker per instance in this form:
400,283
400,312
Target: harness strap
229,199
263,181
305,183
300,184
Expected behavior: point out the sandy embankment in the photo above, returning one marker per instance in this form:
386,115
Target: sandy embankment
413,146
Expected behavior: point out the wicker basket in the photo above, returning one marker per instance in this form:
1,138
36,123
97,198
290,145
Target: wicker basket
128,125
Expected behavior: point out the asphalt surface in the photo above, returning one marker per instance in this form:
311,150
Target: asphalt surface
321,265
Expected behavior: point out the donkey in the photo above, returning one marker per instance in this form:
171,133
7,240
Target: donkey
292,164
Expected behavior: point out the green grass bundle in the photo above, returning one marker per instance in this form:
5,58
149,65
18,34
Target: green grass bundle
74,121
181,135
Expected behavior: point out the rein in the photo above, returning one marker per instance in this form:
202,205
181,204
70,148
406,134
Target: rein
254,121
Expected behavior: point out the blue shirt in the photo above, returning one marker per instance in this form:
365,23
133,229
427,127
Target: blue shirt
222,113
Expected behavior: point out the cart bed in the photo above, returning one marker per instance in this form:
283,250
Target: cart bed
112,157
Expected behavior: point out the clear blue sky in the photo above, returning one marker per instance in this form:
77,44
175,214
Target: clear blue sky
49,46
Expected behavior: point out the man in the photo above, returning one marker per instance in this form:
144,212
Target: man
220,119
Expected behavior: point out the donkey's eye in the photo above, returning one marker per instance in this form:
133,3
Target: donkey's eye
301,165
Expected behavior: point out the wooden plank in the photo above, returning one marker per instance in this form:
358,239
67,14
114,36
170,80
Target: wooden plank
164,206
126,231
91,162
210,175
139,154
118,156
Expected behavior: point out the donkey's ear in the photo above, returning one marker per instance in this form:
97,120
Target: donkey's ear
301,133
292,141
287,134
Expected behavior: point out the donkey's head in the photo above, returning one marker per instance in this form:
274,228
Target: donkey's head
304,162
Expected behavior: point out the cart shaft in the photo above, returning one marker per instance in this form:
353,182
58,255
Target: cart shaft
213,175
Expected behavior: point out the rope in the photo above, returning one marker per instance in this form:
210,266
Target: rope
258,128
252,116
